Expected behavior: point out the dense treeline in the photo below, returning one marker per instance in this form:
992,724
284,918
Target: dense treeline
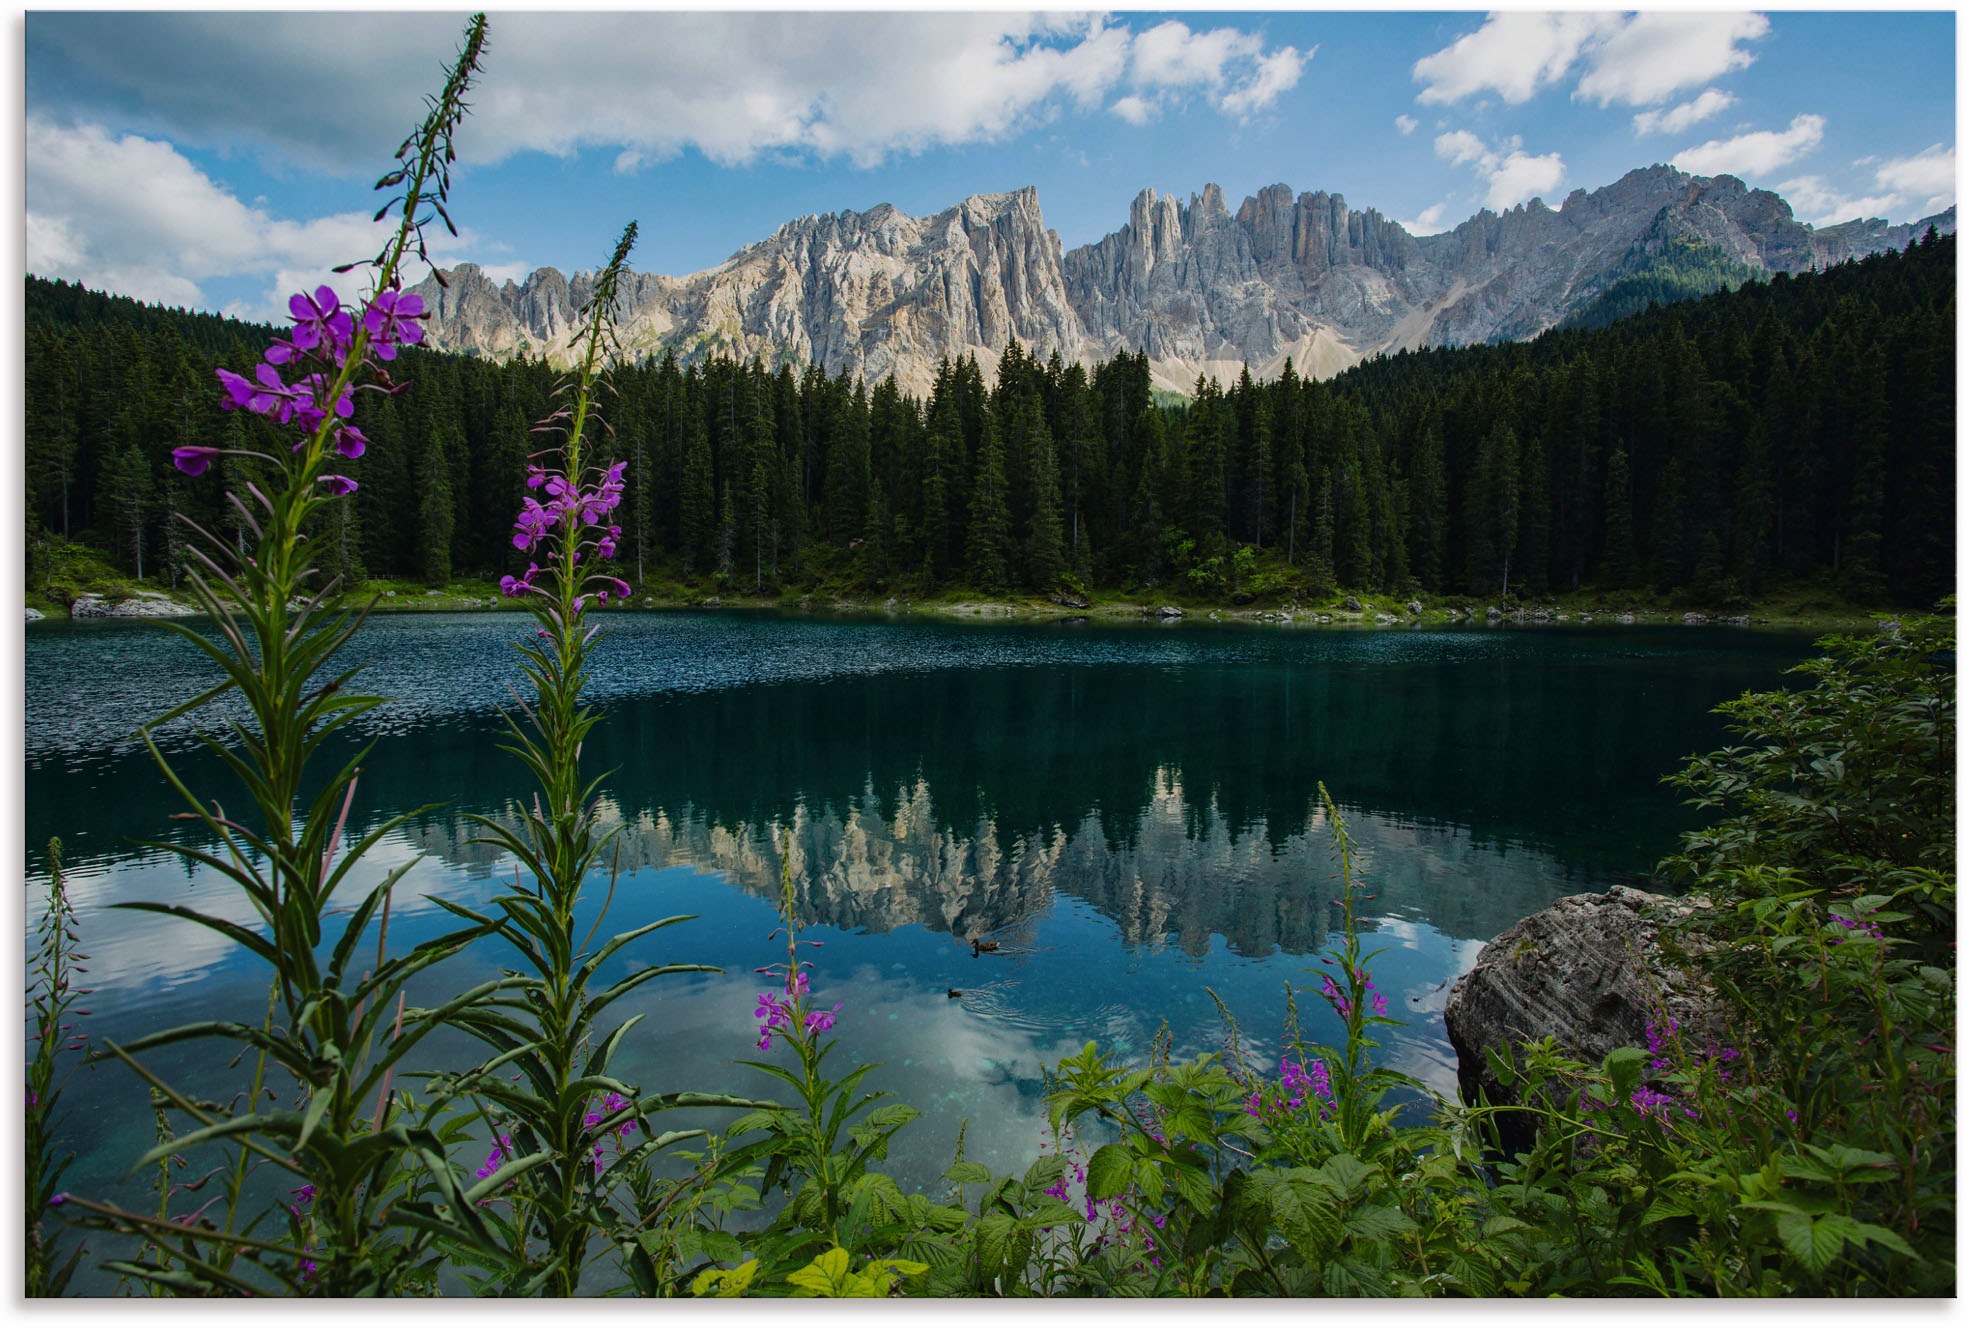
1799,428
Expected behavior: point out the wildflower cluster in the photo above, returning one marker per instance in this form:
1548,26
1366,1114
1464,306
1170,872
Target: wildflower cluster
782,1012
1298,1082
575,507
611,1105
326,347
579,496
1340,1002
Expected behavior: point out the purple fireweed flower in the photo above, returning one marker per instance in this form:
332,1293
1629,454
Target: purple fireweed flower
350,442
339,485
497,1157
392,321
238,392
1652,1103
194,460
276,397
319,320
822,1020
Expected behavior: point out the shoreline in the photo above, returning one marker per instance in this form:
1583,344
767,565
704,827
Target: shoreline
1351,613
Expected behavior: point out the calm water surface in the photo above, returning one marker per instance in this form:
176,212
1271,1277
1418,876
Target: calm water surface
1131,812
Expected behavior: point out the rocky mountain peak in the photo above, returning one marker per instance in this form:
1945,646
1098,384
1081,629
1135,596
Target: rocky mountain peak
1304,279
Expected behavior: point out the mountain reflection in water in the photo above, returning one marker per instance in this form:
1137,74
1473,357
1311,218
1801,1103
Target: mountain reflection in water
1132,813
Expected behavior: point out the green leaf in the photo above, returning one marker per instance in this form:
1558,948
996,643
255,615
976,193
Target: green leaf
1871,1234
1109,1172
825,1277
1814,1242
968,1172
725,1283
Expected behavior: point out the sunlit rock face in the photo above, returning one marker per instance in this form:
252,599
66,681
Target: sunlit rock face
1200,289
1178,872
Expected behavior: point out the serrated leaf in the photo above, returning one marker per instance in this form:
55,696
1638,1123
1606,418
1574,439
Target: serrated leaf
724,1282
825,1277
1193,1186
1378,1222
1814,1242
968,1172
1109,1172
1871,1234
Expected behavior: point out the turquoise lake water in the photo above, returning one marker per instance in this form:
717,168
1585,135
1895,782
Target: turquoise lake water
1130,812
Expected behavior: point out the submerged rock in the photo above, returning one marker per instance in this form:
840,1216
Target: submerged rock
1588,971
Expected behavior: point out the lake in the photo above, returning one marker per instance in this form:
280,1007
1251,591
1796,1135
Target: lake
1130,812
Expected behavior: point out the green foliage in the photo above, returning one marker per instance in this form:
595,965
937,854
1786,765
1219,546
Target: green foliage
1719,448
1682,270
52,994
1849,781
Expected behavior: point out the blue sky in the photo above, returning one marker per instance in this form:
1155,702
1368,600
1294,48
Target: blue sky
221,159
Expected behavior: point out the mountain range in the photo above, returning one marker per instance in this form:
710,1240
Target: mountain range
1303,279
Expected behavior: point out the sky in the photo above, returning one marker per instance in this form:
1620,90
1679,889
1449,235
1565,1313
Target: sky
222,159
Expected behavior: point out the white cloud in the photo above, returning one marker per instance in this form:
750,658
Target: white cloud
1927,179
1512,175
1634,59
1406,124
1908,189
132,215
1133,109
1815,200
1755,153
1514,55
1230,66
1651,56
1459,146
1276,74
1169,55
1519,177
735,86
1428,222
1684,116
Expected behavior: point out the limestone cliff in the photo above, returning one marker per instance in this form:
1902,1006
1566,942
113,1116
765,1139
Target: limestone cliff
1198,288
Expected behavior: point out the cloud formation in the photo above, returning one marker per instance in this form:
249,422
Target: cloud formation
1909,188
1514,55
1512,175
1755,153
1406,124
133,215
1684,116
1624,59
647,86
1646,58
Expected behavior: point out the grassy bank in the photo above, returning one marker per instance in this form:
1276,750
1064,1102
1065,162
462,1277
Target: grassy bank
68,571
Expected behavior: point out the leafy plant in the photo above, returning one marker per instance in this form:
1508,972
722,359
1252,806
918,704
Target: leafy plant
339,1034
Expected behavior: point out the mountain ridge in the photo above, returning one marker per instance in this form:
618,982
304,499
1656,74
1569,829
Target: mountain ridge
1303,279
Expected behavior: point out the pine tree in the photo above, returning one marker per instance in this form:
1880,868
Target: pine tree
1621,559
987,560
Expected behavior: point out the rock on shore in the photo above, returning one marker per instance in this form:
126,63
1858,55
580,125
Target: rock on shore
144,603
1589,971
